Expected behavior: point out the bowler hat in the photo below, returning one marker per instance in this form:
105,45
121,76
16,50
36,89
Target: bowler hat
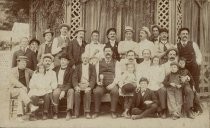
34,40
64,25
65,56
146,29
128,88
25,58
48,31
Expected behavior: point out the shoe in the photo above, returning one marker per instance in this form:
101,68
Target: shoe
163,115
33,108
190,115
95,115
20,119
87,116
45,116
114,116
68,116
55,117
126,114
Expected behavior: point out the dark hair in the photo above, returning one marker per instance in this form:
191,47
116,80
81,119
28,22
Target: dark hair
130,51
107,46
34,40
163,30
156,26
37,68
111,29
182,59
154,58
144,79
95,31
182,29
148,50
64,55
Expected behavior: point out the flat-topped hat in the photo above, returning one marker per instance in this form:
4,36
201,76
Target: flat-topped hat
146,29
128,29
80,29
48,31
24,58
48,55
64,25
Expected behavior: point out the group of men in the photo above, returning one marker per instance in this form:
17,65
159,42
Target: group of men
85,71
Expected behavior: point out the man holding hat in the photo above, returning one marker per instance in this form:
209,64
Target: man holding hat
77,47
45,47
34,45
25,51
128,43
191,52
19,78
60,43
84,80
64,76
145,43
111,35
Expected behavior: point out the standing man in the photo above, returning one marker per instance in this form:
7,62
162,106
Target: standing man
25,51
111,35
45,47
94,49
155,34
84,80
128,43
191,52
64,74
60,43
34,45
107,84
77,47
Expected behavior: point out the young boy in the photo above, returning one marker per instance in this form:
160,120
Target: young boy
174,91
144,101
188,89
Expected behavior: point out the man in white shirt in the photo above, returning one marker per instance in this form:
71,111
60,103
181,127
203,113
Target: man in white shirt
191,52
145,43
94,49
60,43
128,43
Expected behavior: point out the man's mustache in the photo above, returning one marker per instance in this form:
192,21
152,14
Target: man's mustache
172,58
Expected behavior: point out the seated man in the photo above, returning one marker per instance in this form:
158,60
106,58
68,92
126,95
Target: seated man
144,102
106,82
64,76
19,79
84,80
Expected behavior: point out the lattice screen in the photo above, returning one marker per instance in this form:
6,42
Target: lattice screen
75,17
163,13
179,10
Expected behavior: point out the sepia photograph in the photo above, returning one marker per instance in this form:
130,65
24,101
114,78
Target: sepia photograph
105,63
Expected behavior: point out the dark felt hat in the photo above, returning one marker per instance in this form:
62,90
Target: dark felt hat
64,25
128,88
34,40
48,31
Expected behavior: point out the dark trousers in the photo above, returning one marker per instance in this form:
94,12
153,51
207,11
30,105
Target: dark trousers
195,72
46,98
188,97
70,99
162,98
128,100
99,91
86,96
145,112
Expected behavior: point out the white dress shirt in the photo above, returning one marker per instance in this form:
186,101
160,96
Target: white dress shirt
55,48
112,42
85,73
61,76
127,45
79,40
143,69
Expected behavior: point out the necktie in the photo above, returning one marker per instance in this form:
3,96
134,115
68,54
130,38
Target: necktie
164,48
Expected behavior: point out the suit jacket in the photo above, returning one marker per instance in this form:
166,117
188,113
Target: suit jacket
115,54
67,79
74,51
41,51
78,74
139,100
14,77
32,60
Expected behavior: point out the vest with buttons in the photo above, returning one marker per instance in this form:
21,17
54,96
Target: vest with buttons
187,51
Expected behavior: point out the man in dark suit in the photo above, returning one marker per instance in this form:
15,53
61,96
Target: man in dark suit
77,47
64,77
84,80
144,101
25,51
111,35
